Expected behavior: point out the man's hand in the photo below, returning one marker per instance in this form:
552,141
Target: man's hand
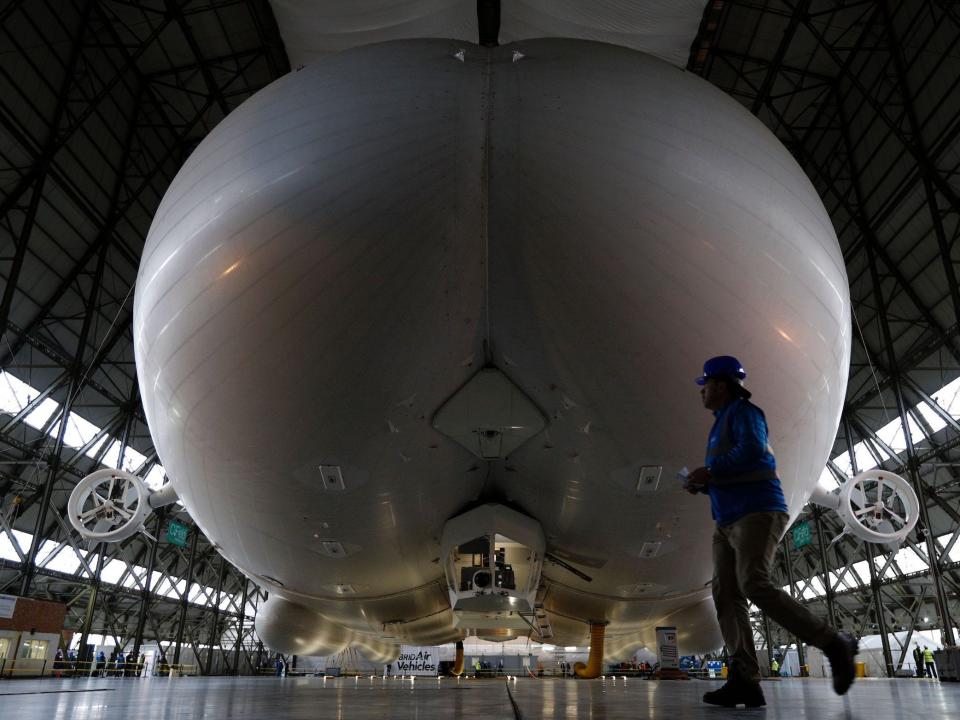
698,481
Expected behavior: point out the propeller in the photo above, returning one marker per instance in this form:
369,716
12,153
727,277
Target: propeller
109,505
876,505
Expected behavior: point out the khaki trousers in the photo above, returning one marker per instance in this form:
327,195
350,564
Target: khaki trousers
742,555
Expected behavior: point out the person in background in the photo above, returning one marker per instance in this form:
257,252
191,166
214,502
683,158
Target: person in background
748,506
930,664
774,668
101,663
918,661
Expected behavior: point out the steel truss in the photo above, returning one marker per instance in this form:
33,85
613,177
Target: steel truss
865,95
101,101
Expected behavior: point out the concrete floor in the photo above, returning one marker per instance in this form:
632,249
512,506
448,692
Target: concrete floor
310,698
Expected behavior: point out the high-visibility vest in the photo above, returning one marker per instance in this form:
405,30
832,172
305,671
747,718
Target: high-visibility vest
928,656
775,665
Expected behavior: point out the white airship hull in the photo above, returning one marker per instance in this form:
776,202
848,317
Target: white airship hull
359,239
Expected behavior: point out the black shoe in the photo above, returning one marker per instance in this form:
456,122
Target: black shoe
735,693
840,652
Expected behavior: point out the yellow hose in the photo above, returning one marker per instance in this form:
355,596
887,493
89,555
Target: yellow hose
595,660
458,661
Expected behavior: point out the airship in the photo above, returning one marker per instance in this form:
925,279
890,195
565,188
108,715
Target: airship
416,328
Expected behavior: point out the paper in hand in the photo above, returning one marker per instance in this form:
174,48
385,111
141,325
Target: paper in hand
684,476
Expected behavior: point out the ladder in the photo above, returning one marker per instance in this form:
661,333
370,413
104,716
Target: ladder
541,622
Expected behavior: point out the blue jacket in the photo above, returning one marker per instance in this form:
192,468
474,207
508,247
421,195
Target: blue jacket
743,470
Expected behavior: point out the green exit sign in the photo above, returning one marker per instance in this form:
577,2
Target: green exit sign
801,535
177,534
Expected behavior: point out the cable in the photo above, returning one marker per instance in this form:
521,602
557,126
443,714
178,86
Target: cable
516,708
873,371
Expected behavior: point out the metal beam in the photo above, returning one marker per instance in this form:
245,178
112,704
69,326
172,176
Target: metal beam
799,13
42,165
188,580
175,10
76,379
912,463
91,604
146,594
874,584
240,618
827,585
788,564
925,164
214,636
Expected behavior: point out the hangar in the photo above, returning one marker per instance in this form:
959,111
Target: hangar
105,102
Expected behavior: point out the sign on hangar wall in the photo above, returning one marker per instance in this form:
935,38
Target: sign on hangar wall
801,535
415,660
177,534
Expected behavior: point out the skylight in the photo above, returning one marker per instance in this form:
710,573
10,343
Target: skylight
154,478
948,397
828,480
65,561
7,549
891,434
954,553
79,431
112,571
15,395
932,419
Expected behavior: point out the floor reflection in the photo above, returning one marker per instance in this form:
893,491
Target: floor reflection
556,699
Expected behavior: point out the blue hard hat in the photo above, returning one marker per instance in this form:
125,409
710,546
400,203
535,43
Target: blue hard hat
722,366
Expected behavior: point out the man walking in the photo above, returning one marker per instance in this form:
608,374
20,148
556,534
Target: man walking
740,477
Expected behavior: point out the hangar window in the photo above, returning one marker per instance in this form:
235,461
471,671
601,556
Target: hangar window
33,649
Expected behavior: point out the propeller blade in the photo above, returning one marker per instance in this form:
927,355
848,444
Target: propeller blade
885,526
838,538
858,497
